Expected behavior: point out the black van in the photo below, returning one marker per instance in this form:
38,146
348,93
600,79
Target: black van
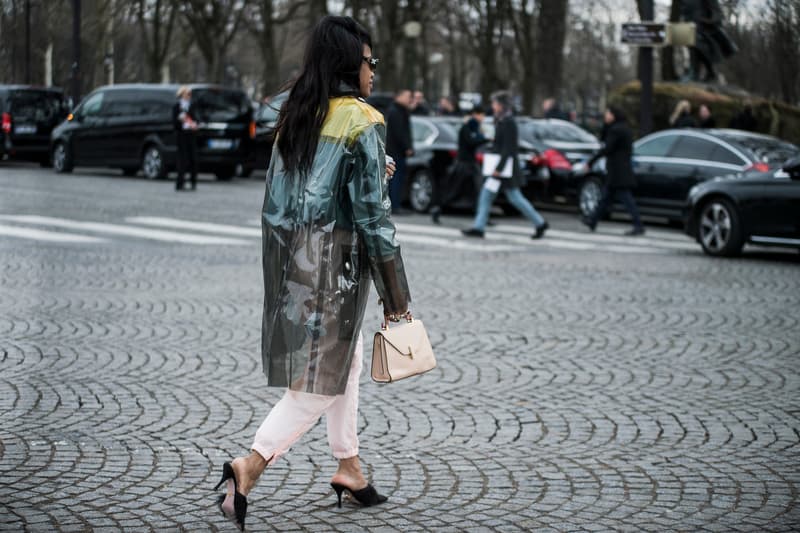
28,115
131,127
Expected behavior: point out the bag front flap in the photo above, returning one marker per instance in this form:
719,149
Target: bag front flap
408,338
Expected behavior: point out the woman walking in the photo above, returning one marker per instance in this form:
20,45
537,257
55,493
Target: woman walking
506,143
326,230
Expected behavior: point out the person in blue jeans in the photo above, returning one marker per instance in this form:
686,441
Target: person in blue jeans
506,144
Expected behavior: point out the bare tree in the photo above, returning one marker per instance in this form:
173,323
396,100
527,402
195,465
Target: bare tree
156,21
523,21
550,36
214,25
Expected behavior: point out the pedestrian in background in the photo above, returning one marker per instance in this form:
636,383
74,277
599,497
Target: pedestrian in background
744,119
465,169
325,231
620,179
420,106
552,109
706,118
682,116
446,108
506,143
398,144
184,119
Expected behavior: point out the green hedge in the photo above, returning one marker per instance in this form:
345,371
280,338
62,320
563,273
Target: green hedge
772,117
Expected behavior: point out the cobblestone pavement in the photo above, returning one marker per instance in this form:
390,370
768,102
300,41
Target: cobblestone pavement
586,383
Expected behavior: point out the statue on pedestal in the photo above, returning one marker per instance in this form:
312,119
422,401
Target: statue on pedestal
712,44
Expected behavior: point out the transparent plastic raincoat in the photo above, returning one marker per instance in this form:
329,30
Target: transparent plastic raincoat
325,235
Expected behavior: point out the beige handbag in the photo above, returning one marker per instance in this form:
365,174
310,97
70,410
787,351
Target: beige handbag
401,352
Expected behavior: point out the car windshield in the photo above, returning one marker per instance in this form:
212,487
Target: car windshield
220,105
764,148
38,106
551,130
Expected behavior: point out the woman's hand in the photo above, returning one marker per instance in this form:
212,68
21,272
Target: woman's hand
395,317
391,168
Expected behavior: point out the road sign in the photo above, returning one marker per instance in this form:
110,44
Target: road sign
644,33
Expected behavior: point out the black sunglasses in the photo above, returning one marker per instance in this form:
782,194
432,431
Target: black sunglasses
372,62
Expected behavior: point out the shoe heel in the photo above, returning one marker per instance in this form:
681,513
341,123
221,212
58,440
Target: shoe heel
339,489
227,473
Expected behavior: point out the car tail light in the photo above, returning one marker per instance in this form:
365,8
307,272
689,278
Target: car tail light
452,153
760,166
479,157
252,129
552,159
6,123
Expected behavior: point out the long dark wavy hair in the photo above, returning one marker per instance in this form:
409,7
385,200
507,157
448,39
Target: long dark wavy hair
331,67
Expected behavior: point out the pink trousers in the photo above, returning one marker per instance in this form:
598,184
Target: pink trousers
297,412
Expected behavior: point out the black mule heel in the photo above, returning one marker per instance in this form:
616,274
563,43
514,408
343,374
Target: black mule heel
232,504
367,496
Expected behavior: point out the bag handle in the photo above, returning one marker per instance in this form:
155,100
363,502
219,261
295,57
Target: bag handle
396,318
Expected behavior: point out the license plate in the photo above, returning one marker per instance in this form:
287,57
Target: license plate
25,129
220,144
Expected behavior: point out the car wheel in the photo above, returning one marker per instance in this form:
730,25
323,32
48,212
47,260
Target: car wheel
129,171
153,163
589,196
719,229
243,171
420,191
62,159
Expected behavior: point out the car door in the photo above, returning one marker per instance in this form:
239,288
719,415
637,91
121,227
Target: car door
693,159
88,145
650,165
776,207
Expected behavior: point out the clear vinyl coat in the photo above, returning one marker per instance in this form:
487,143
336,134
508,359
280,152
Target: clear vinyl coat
325,235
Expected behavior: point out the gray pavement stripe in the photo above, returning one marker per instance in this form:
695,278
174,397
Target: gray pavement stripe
116,229
659,241
225,229
42,235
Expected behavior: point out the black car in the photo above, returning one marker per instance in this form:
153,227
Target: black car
753,206
131,127
435,141
266,118
28,115
669,163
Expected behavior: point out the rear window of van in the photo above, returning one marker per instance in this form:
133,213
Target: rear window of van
221,105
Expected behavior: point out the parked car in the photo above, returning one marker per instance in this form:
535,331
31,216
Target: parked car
756,206
435,141
669,163
28,115
130,127
266,118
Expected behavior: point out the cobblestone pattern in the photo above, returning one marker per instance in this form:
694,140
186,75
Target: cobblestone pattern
574,391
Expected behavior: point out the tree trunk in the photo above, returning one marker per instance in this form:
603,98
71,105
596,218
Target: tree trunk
550,35
668,72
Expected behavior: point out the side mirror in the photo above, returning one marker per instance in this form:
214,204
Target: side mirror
792,167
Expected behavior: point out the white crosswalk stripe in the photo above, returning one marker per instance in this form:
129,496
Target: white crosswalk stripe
42,235
117,229
499,238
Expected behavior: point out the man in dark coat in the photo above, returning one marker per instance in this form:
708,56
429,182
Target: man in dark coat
465,169
617,149
398,144
184,119
506,146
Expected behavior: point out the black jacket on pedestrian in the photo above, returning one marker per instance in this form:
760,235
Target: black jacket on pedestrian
617,149
398,131
685,120
176,111
469,139
506,143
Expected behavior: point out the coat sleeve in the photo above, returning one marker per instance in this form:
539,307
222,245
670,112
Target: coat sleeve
505,141
369,198
613,142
